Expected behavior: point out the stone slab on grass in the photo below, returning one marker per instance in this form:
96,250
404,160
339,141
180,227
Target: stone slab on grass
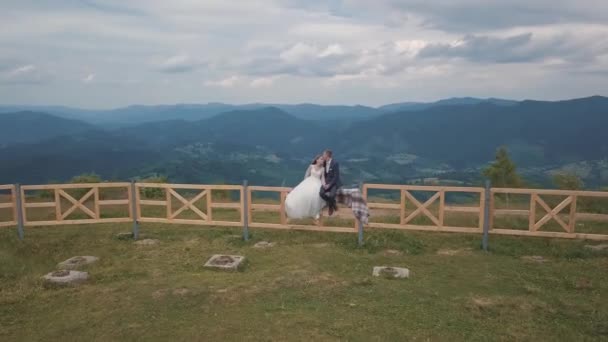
76,262
391,272
147,242
263,244
66,278
225,262
597,248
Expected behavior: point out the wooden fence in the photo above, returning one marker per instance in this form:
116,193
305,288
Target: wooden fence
417,208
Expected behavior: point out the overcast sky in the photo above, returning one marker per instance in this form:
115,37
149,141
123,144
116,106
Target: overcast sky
110,53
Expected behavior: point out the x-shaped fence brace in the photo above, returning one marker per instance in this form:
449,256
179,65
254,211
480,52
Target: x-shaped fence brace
187,204
551,213
421,208
76,204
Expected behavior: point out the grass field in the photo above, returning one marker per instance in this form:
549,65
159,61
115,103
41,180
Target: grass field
310,286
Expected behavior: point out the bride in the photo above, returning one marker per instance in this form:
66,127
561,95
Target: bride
304,200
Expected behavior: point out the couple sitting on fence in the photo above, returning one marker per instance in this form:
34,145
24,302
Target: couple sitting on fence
322,187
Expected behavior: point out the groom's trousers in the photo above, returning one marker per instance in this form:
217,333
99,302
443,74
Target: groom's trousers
329,196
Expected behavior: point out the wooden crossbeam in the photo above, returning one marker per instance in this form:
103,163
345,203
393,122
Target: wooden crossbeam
552,213
188,204
422,208
77,204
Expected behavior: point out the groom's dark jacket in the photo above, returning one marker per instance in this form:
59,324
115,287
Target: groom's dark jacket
332,176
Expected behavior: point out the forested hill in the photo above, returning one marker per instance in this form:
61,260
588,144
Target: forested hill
269,145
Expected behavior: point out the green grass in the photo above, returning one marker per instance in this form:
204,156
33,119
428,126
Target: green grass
310,286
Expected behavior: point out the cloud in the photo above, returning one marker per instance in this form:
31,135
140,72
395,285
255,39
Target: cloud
27,74
262,82
369,51
229,82
178,64
521,48
88,79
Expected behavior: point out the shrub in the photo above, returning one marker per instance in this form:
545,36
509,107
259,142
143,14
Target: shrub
154,192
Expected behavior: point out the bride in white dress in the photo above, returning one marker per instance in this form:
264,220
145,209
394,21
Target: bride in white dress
304,200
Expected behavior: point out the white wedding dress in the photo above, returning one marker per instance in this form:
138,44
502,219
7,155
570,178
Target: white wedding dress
304,200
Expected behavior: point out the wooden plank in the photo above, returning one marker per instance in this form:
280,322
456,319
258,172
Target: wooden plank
550,192
226,205
14,201
249,207
113,202
402,205
441,207
242,199
282,208
77,204
269,188
482,203
58,214
422,207
40,205
424,188
373,205
191,222
24,206
96,201
532,212
572,218
551,234
492,211
456,209
267,207
81,221
384,186
169,199
592,217
75,186
445,229
210,205
6,205
302,227
7,187
8,224
154,203
514,212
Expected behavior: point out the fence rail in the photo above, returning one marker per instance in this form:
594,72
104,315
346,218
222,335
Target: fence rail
549,213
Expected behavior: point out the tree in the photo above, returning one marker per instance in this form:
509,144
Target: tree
567,181
503,172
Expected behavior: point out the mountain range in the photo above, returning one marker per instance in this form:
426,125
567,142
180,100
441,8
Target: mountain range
272,144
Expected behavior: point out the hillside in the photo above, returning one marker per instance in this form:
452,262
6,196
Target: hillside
270,146
23,127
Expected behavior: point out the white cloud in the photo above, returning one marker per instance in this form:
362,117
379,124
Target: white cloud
89,78
229,82
371,51
262,82
178,64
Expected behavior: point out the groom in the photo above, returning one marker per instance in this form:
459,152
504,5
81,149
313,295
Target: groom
332,181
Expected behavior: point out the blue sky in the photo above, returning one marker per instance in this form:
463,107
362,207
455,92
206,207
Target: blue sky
110,53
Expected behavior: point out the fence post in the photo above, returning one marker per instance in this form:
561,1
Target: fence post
19,211
359,223
486,216
134,210
245,199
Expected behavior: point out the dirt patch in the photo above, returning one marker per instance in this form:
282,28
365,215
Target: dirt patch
392,252
454,252
181,292
147,242
583,284
484,302
535,258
